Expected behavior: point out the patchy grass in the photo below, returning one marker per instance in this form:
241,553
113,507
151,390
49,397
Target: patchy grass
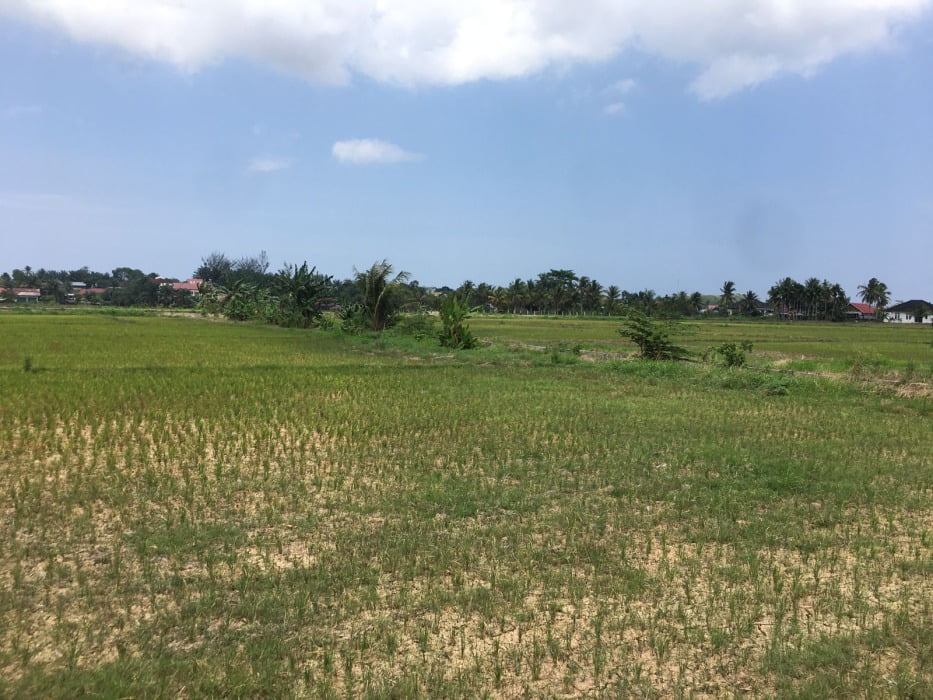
199,508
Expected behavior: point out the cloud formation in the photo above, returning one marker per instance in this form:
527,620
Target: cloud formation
735,44
268,165
371,151
623,87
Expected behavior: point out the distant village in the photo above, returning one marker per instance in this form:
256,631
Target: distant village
558,292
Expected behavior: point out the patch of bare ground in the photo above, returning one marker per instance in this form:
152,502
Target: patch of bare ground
603,356
705,619
915,390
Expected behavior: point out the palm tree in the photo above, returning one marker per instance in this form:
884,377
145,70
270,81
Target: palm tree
592,295
839,302
379,293
696,302
749,303
613,294
875,293
499,298
882,299
869,292
517,295
728,294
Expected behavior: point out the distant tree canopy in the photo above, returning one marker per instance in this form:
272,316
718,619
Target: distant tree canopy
244,288
217,268
813,299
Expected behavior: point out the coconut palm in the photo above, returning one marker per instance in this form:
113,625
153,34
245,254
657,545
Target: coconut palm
728,294
875,293
380,298
613,294
749,303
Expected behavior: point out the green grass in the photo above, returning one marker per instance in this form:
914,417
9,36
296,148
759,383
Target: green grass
193,507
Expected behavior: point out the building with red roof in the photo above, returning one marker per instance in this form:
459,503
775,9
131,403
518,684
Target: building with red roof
861,312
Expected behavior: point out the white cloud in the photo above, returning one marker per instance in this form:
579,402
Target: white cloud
268,165
367,151
614,109
623,87
734,44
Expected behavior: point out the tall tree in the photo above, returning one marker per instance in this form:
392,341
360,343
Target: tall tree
727,293
613,295
216,268
875,293
749,303
380,294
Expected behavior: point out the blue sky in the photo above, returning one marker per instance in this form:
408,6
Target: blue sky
647,148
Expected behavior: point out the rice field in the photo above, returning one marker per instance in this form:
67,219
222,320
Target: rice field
198,508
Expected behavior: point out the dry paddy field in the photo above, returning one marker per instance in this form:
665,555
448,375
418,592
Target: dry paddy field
193,508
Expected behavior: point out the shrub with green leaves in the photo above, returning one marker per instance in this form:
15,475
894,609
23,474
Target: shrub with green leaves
419,326
653,338
733,354
454,332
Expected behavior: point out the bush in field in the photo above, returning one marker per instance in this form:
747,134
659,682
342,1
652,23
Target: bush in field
353,318
733,354
240,301
420,326
454,332
294,299
653,338
299,293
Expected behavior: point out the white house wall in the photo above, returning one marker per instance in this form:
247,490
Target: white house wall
901,317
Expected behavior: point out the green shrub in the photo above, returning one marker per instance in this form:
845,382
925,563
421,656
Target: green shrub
653,338
353,319
454,332
420,326
733,354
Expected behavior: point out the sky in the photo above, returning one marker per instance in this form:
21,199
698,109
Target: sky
650,144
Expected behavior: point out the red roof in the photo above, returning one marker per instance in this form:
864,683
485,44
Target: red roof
91,290
863,308
190,285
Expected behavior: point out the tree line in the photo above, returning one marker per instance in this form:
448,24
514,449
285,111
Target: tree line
297,295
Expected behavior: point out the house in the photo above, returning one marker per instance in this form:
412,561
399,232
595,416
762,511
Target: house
758,308
913,311
192,285
88,292
24,295
861,312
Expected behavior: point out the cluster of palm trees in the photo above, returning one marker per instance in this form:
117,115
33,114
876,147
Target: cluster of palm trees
562,292
748,304
812,299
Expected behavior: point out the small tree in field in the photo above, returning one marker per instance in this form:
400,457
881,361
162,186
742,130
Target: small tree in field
381,301
653,338
455,333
